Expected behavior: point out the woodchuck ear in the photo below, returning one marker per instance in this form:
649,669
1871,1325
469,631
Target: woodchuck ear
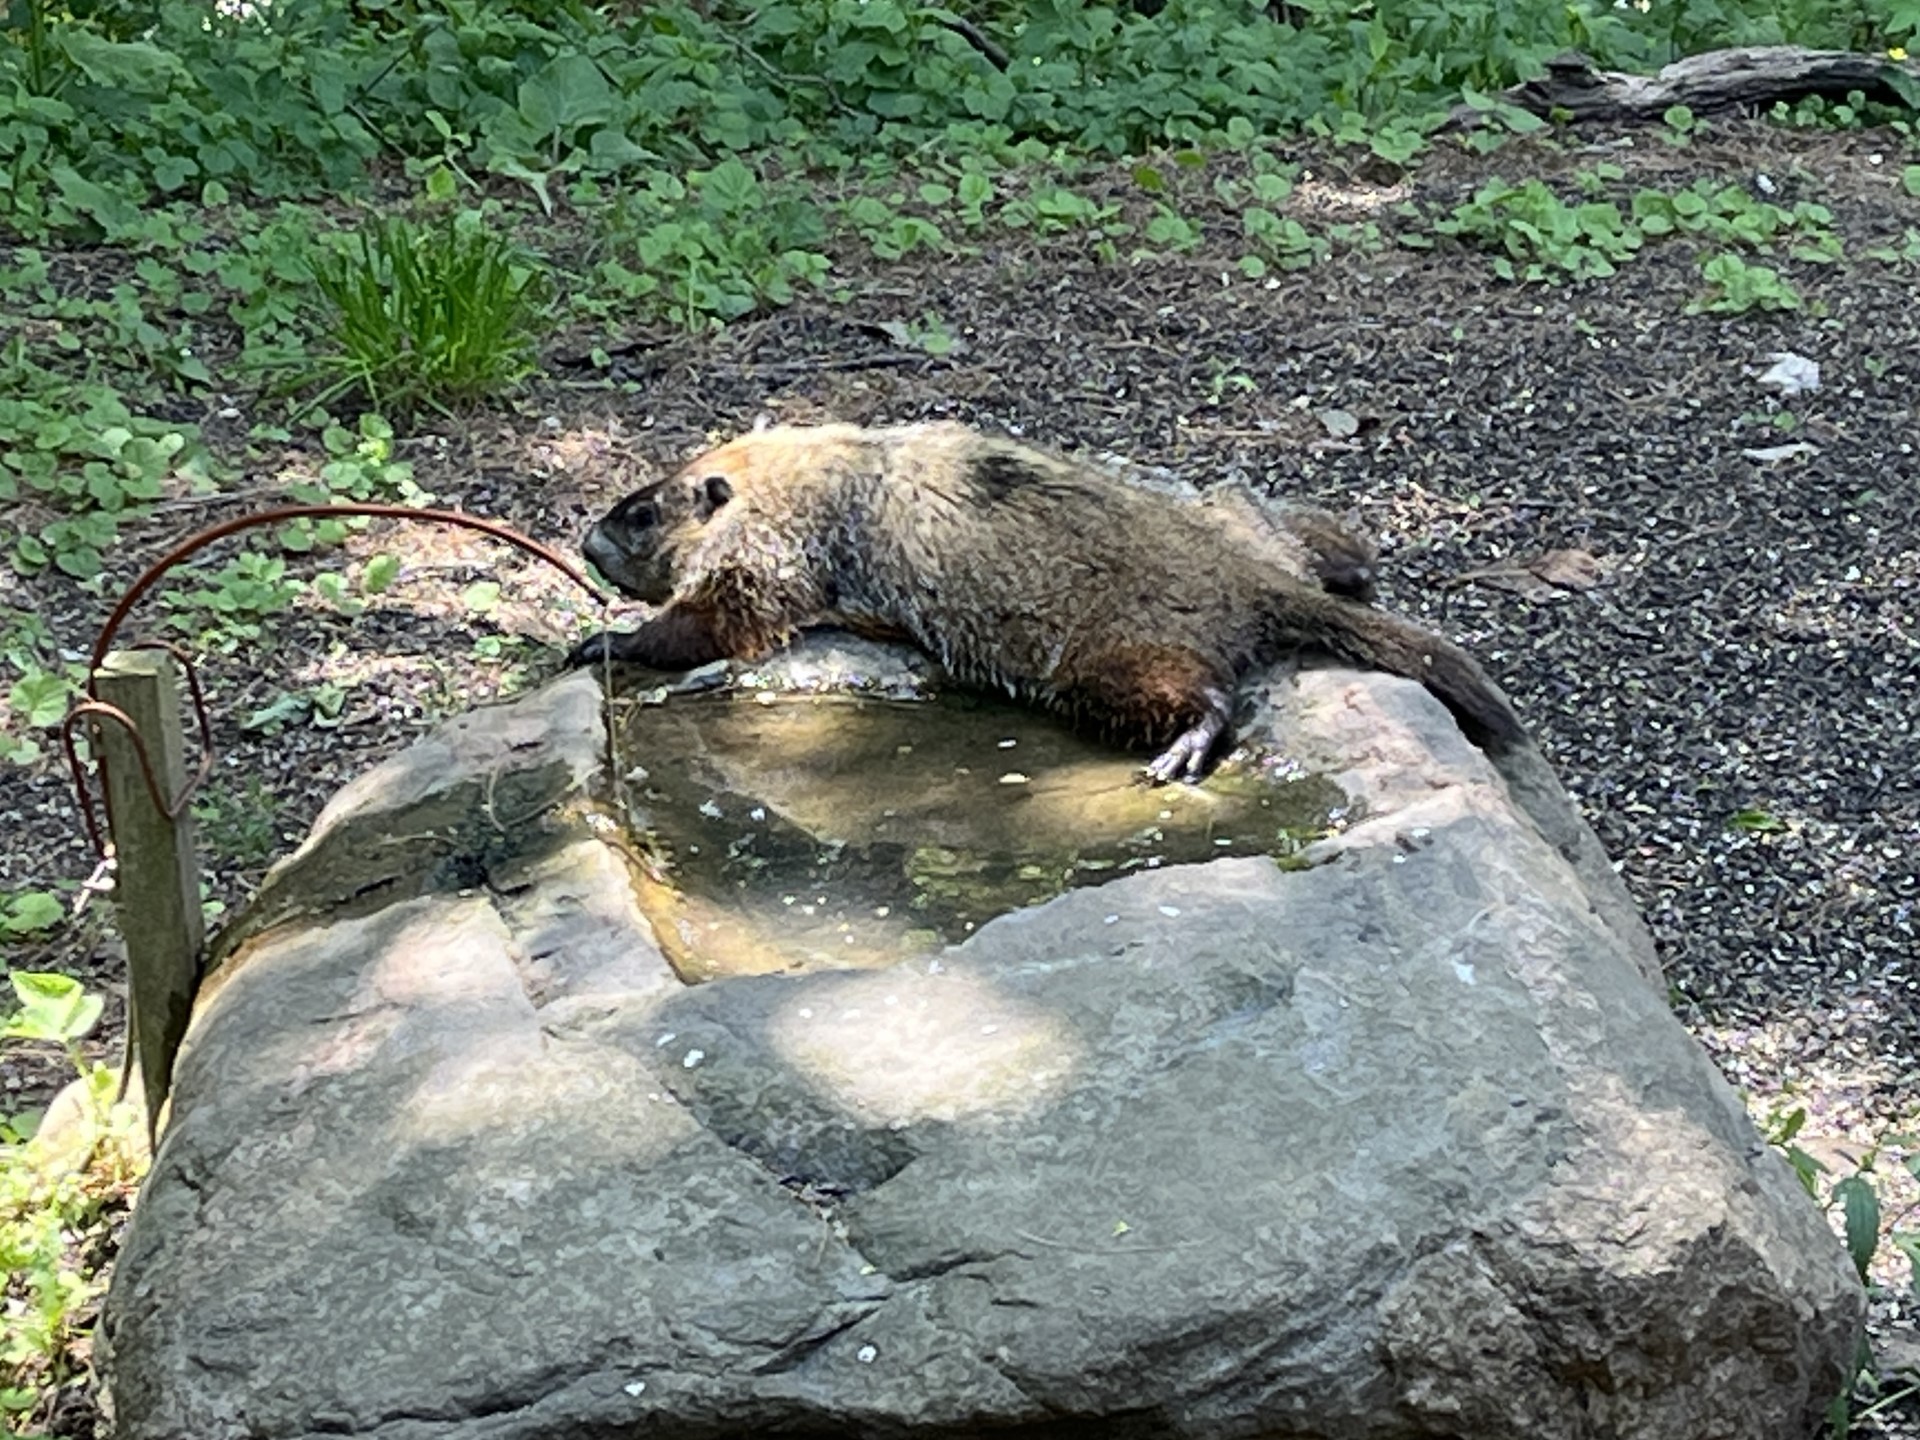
715,491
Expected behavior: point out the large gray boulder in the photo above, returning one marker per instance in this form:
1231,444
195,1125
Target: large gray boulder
1404,1143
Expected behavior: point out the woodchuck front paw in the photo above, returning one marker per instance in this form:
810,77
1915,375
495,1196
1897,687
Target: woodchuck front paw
596,649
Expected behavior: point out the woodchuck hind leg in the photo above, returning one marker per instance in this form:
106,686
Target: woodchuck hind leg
1145,692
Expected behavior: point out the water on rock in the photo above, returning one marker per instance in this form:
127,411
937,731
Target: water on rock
795,831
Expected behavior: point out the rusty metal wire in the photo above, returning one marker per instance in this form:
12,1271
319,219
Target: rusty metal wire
97,711
203,538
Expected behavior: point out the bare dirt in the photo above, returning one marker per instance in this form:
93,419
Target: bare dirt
1724,663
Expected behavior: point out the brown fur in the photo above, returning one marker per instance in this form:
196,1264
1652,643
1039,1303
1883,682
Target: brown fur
1314,540
1130,608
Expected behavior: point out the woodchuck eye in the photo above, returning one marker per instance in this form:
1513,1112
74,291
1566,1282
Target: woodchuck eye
715,491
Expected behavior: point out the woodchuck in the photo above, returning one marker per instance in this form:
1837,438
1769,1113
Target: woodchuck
1128,608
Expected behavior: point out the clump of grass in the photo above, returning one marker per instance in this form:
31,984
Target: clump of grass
440,315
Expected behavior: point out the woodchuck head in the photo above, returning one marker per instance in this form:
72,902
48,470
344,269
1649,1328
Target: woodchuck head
635,545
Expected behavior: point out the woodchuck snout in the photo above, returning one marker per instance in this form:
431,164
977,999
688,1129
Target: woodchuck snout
1129,608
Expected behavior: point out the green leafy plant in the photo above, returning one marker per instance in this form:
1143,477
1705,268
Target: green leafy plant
319,706
1735,288
709,247
1275,240
105,107
929,334
1168,229
264,276
29,912
436,314
1499,120
361,466
1855,1198
973,191
1681,125
43,689
40,698
239,828
54,1009
380,573
56,1197
75,463
1224,378
1056,210
1756,821
1540,236
888,231
1907,252
144,318
1278,241
336,593
482,597
567,117
1853,112
1729,215
1852,1195
227,608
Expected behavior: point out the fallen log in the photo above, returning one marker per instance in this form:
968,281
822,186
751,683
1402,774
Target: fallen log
1758,76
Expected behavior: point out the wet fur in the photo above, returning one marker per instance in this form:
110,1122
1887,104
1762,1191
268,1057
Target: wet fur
1127,608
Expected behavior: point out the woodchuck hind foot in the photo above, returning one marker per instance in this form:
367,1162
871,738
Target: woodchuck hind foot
1186,758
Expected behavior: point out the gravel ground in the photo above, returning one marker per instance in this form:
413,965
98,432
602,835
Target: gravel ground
1751,648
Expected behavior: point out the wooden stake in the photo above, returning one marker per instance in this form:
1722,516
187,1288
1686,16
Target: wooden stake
157,875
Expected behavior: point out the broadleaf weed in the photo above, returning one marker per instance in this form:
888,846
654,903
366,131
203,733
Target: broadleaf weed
57,1192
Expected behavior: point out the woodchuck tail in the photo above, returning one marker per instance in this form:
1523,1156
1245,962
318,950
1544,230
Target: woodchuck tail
1380,640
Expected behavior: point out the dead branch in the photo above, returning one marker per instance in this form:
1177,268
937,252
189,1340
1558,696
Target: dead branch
974,36
1750,77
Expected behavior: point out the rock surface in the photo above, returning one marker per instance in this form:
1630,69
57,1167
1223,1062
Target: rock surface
1403,1144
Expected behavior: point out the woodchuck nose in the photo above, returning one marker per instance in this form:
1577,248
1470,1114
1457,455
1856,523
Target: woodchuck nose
1131,609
